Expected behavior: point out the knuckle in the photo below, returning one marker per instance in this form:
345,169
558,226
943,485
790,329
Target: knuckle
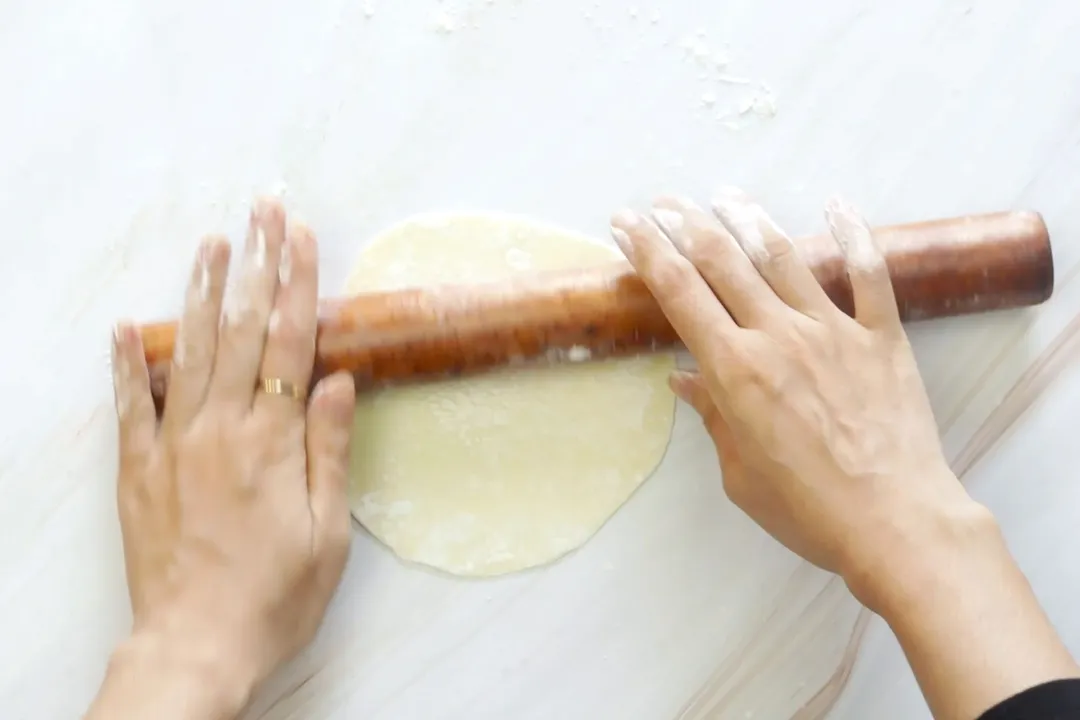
285,329
136,449
672,275
743,358
795,336
703,243
780,253
257,319
192,351
742,377
751,382
131,498
777,243
246,313
203,427
722,274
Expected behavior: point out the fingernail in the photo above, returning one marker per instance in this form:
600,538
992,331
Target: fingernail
259,254
685,203
626,219
266,210
123,332
327,383
255,246
622,239
114,347
203,259
731,201
285,264
340,406
680,383
622,224
348,387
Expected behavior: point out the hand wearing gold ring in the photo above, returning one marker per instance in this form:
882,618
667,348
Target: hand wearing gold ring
233,510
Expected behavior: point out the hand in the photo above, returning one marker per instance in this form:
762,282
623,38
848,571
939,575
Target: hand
233,508
823,428
826,439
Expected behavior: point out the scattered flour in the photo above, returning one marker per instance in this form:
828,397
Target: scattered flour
710,61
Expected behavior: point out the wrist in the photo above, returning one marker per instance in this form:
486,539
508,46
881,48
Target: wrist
938,571
930,549
179,676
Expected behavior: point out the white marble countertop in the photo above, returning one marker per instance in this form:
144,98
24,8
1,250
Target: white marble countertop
130,128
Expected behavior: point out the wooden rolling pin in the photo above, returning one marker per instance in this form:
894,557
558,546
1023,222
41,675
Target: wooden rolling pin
939,268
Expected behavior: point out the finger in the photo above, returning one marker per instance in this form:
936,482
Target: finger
772,253
719,259
690,388
871,286
247,308
196,341
697,316
329,423
134,404
290,338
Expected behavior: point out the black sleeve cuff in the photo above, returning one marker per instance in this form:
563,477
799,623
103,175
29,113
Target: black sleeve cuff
1057,700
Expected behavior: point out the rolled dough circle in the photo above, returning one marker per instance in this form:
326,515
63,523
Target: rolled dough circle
505,471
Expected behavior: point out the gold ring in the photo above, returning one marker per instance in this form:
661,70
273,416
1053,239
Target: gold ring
277,386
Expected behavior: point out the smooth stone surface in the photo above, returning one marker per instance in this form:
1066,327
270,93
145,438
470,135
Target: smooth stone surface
131,128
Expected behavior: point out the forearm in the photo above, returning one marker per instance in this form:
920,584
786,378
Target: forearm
148,676
967,619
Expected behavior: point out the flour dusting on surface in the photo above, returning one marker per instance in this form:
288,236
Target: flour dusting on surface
518,259
579,353
444,22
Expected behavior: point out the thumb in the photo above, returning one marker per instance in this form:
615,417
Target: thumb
690,388
329,423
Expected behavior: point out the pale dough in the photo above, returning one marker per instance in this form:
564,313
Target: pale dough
505,471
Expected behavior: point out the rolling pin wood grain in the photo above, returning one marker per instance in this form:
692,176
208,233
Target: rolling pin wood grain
938,268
